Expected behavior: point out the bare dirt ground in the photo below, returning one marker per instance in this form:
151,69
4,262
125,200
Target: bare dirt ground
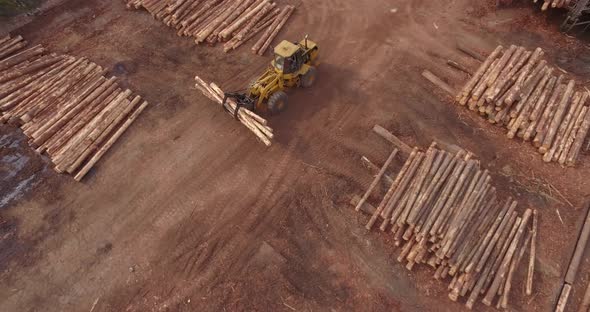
188,212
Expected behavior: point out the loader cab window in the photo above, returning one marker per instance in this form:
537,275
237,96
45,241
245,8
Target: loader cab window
284,64
279,62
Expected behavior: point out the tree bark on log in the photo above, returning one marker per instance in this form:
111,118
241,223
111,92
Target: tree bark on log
464,95
557,118
276,30
401,190
514,93
579,140
392,189
203,34
103,149
387,135
566,127
438,82
254,20
532,255
376,179
563,298
507,258
463,48
548,114
63,135
241,20
572,136
506,74
513,266
70,110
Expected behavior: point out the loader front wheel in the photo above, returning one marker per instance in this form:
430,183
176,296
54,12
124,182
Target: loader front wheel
308,79
277,102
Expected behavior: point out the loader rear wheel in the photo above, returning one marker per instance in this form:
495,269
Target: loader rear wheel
308,79
277,102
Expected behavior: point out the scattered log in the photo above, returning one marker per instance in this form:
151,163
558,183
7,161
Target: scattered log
366,208
572,270
438,82
376,179
387,135
463,48
532,255
563,298
459,67
585,305
374,168
580,137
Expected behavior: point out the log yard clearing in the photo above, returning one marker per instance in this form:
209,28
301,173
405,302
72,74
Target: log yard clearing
294,155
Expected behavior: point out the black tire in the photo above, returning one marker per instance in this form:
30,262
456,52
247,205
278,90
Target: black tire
277,102
308,79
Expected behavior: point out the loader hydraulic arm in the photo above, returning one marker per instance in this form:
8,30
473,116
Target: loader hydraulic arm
241,100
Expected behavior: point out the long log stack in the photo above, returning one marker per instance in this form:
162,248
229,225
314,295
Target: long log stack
211,21
518,90
65,105
443,211
249,119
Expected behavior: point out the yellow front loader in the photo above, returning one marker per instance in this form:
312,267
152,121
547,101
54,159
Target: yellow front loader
294,65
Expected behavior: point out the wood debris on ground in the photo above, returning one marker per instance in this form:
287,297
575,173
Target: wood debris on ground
251,120
64,104
443,211
520,91
555,4
232,22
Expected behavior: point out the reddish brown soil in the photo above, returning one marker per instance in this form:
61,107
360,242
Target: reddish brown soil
188,212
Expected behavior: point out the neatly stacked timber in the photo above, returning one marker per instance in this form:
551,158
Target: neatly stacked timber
64,104
255,123
230,21
443,211
518,90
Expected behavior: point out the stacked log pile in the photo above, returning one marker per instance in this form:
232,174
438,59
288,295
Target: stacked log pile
443,211
65,105
249,119
518,90
211,21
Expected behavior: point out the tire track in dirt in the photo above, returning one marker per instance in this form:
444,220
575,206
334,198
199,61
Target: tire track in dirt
229,240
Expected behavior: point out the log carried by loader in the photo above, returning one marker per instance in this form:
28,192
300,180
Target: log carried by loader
294,65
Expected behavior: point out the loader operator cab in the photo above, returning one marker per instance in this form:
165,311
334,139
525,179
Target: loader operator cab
288,57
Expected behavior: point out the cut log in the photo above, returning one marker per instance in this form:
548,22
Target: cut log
532,255
103,149
463,48
276,30
557,118
228,31
392,189
366,208
463,96
563,298
387,135
579,140
438,82
566,128
376,179
459,67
